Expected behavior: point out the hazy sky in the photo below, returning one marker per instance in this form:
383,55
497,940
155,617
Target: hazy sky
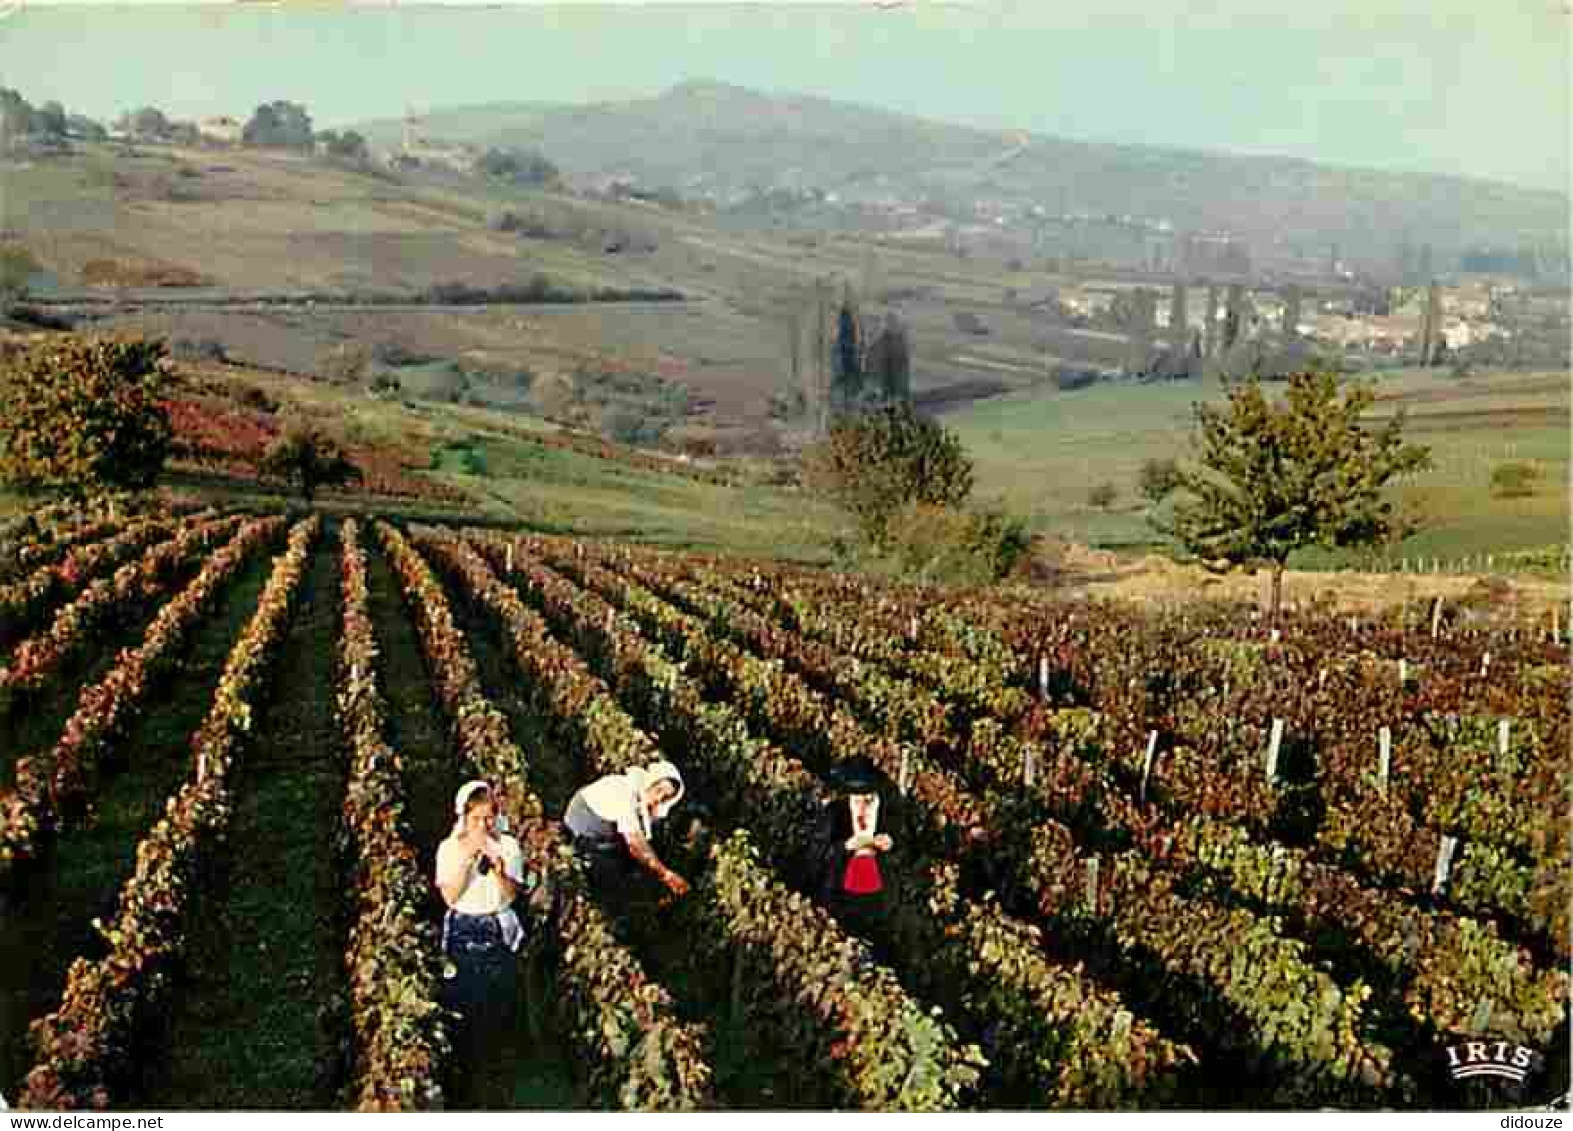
1477,89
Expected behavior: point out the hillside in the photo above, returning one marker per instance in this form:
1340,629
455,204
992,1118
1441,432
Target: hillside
705,136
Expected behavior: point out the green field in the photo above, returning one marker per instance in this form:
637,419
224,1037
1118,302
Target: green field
1038,454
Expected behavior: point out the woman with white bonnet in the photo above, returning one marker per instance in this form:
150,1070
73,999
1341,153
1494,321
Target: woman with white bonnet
612,820
480,873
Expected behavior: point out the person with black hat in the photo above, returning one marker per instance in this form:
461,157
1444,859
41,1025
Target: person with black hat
847,848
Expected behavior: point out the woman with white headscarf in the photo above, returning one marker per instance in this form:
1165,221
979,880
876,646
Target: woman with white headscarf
480,873
611,821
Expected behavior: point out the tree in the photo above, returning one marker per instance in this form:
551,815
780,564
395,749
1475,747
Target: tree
524,167
888,362
51,119
1270,479
882,460
84,414
279,125
349,146
305,457
16,114
847,358
148,122
79,125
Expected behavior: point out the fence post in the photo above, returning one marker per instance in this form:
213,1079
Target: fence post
1152,750
1273,744
1444,863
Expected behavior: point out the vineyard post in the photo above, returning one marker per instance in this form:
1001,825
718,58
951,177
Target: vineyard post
912,631
1272,750
1384,764
510,557
1444,863
1485,663
1436,618
1043,677
1503,728
354,674
1403,672
1152,750
1556,628
202,766
906,768
1321,679
1092,885
1029,773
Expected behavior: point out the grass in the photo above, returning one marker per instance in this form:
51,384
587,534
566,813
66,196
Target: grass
271,936
1038,454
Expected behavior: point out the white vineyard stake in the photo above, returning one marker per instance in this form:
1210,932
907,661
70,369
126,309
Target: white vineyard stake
510,557
1029,773
1321,679
906,768
1444,863
1502,736
1152,750
913,631
1485,663
1403,672
1092,885
1272,749
1043,677
1436,618
1384,762
202,766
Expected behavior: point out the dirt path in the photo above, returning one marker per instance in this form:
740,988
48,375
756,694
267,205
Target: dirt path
248,1031
1080,571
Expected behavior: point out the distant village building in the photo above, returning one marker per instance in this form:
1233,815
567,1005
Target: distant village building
221,130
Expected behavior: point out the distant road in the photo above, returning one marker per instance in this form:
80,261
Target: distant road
208,301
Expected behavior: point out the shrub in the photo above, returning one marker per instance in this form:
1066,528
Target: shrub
886,459
1157,479
198,349
930,543
1102,496
1514,480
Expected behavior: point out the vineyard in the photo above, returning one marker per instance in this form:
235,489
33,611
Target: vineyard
1145,860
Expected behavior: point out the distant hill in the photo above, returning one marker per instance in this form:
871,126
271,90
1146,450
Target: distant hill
702,136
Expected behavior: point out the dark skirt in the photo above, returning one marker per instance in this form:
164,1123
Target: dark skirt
482,979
